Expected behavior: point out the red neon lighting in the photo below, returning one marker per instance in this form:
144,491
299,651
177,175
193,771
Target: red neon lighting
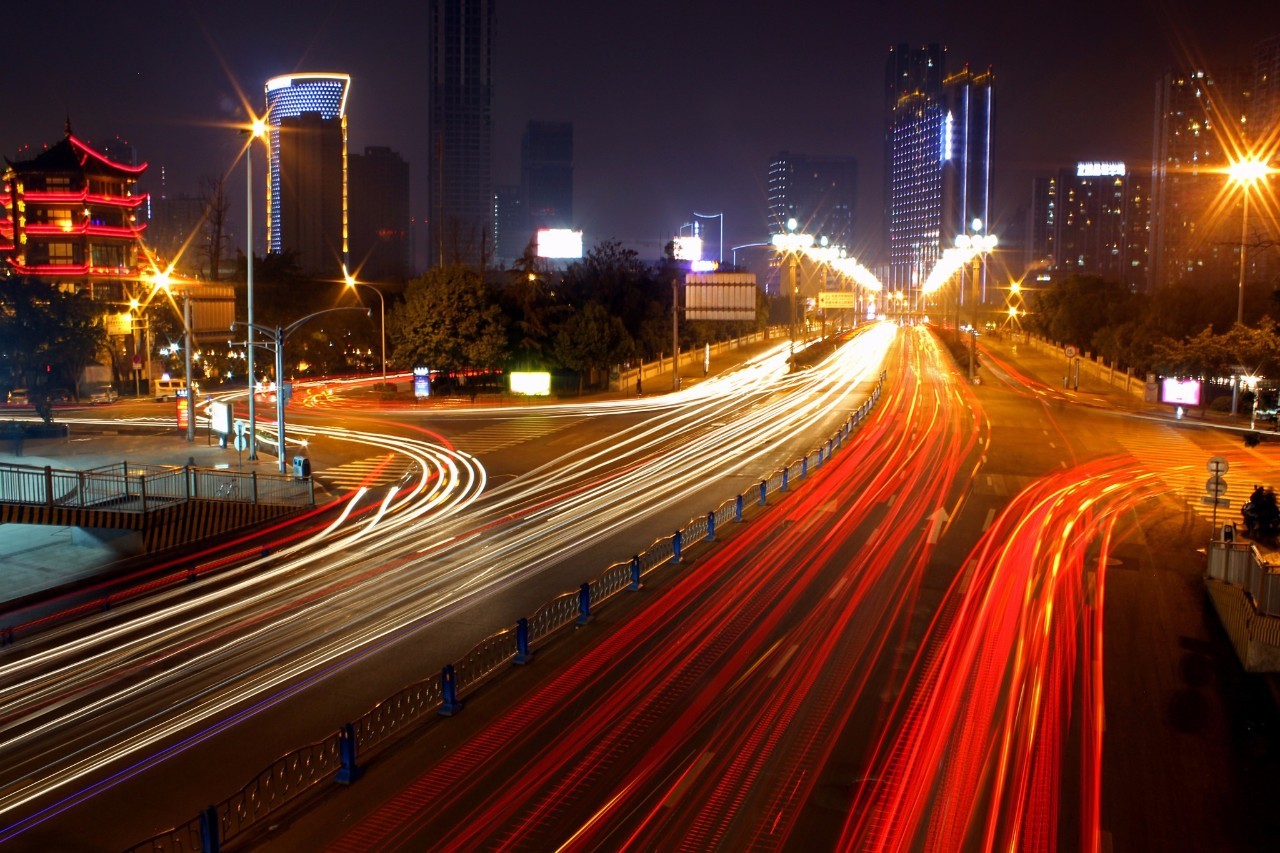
40,197
74,269
86,228
135,170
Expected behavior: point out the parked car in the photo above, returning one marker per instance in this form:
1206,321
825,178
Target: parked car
19,397
106,394
59,395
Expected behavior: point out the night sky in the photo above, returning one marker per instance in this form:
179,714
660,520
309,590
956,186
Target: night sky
677,106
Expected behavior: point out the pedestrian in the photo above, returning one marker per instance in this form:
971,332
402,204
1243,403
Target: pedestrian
639,387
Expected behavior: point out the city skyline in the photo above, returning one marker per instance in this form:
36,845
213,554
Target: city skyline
675,108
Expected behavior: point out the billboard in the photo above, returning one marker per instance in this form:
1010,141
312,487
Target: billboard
837,299
720,296
1180,392
559,243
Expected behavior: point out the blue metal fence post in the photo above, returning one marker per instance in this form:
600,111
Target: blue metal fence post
737,508
677,540
449,692
209,841
711,526
764,491
784,477
523,655
584,604
804,465
350,771
635,572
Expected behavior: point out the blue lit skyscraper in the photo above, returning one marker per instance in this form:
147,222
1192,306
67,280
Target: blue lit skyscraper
307,182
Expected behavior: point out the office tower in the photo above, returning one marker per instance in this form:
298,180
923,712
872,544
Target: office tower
939,159
546,170
1264,119
511,232
818,192
307,175
1194,238
460,127
1091,219
379,223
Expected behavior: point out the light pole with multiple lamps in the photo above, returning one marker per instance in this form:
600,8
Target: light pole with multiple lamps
791,244
274,339
979,244
1246,173
382,313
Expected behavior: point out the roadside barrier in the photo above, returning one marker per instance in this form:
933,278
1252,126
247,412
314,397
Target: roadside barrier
338,757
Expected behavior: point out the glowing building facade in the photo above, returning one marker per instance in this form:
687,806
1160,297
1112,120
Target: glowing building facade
307,177
71,217
938,146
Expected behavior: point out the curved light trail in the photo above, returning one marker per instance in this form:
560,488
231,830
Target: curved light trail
76,710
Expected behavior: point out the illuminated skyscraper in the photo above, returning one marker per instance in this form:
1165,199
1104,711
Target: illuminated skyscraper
938,141
1195,112
307,181
460,127
1091,219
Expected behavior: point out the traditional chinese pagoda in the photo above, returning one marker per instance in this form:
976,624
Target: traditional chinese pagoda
70,217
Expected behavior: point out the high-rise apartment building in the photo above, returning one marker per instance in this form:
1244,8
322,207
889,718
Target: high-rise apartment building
818,192
1091,219
460,127
307,175
1199,116
379,222
939,159
511,233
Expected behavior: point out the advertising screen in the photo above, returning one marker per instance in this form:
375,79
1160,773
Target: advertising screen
1180,392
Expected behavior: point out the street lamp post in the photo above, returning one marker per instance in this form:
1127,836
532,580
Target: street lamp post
277,337
382,315
791,244
256,130
1245,173
979,244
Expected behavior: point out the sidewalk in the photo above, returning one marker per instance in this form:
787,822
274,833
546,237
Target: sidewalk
38,556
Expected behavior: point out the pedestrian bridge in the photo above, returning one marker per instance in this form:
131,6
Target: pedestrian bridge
161,506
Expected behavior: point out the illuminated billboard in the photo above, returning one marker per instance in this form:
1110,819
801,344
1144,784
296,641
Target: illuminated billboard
559,243
1180,392
533,384
1113,169
688,248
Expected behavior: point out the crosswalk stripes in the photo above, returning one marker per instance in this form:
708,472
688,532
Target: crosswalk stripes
372,471
1180,464
510,432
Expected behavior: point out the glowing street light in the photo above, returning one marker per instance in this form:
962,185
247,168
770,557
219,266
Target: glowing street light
978,246
1246,173
257,129
382,311
791,244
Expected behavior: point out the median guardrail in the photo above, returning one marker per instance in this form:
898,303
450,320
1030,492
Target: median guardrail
340,755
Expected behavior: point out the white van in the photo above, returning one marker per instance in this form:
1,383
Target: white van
167,389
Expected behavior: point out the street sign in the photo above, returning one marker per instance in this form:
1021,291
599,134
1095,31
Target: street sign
242,442
1212,501
241,427
1217,465
1215,485
1071,351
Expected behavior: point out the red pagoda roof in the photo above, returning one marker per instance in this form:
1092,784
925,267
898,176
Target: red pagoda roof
73,155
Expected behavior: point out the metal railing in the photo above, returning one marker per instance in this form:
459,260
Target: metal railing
1240,564
338,756
129,487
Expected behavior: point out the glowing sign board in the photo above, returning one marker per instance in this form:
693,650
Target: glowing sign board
1180,392
1099,169
533,384
559,243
